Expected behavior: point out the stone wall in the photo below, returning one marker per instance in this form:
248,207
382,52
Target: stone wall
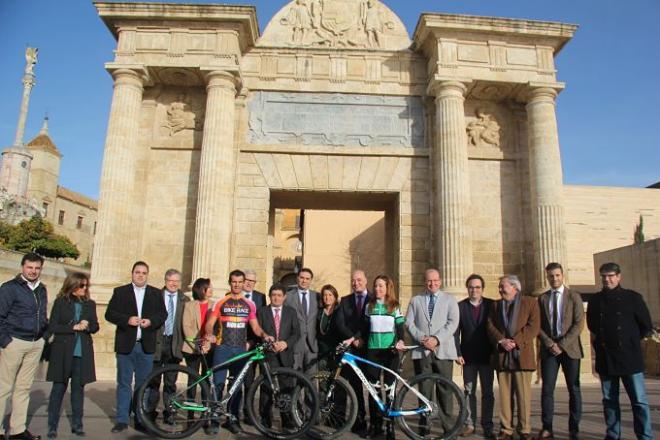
640,271
603,218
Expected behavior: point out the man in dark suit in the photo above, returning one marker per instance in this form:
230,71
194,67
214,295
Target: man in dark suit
473,349
281,322
169,341
562,321
350,323
305,302
259,300
138,311
618,319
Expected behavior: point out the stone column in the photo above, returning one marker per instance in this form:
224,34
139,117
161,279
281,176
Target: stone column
546,183
215,199
111,250
453,233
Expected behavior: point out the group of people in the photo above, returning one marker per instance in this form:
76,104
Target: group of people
162,326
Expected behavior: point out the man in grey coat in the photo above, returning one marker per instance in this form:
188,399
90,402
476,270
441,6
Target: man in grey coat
169,341
432,320
305,302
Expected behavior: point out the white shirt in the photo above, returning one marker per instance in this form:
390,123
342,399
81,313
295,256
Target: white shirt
279,310
436,296
31,285
139,299
560,300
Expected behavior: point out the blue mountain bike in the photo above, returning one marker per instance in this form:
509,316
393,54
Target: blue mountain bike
426,407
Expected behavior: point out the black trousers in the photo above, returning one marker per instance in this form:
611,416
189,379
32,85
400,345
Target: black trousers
169,379
355,382
549,372
194,361
77,398
388,359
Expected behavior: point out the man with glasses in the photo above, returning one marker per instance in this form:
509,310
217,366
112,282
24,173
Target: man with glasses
474,350
618,319
259,300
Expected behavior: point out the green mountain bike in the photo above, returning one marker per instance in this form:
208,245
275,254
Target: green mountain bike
283,403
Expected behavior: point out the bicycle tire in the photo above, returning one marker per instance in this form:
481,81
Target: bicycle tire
335,417
285,416
447,416
186,423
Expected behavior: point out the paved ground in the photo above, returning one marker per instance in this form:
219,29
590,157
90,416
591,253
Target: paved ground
99,410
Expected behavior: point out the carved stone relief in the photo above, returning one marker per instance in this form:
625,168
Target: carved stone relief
366,24
180,119
484,131
336,119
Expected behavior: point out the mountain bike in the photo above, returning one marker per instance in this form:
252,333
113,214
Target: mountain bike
282,402
426,407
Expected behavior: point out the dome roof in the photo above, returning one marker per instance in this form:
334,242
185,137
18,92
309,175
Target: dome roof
42,141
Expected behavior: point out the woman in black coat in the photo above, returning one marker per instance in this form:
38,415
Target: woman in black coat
72,321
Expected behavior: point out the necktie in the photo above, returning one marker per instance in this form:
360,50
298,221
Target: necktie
277,323
304,301
248,295
431,305
169,323
360,304
555,314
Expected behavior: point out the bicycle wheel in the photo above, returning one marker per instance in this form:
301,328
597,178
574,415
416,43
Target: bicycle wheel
337,406
448,410
186,410
289,411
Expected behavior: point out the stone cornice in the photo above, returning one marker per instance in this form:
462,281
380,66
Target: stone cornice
558,34
246,16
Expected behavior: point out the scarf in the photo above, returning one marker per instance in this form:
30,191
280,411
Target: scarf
510,320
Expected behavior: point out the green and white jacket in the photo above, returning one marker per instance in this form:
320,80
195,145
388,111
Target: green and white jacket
385,328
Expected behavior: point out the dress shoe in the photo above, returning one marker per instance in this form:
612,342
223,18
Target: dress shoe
573,435
52,434
359,427
525,436
78,431
246,421
168,419
374,431
467,431
232,425
25,435
504,436
489,434
544,434
389,431
119,427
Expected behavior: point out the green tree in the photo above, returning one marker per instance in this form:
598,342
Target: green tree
37,235
639,231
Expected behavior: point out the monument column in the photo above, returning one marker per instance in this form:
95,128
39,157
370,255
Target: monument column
453,234
117,179
546,182
217,172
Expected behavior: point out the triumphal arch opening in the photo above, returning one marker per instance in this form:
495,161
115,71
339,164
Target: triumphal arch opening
450,131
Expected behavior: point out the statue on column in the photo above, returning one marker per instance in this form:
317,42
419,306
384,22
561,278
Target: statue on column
370,20
31,59
300,20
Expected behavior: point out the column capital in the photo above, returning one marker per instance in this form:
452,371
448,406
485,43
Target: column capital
220,78
135,75
543,92
442,87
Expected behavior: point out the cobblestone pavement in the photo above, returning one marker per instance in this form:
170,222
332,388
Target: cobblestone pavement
100,408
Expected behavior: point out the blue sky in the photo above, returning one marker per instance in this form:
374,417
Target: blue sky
606,115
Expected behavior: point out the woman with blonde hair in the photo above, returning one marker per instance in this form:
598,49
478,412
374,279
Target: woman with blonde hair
72,322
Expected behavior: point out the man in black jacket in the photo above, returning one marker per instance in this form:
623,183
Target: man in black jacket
259,300
351,324
474,349
138,311
23,302
618,319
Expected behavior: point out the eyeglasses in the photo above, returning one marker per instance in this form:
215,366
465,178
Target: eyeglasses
83,286
252,281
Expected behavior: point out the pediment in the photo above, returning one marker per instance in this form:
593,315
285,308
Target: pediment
336,24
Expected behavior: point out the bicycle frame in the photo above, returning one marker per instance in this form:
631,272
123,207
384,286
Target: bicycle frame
351,360
256,355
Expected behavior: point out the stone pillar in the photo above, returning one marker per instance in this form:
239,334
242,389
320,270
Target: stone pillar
217,171
111,249
453,234
546,183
